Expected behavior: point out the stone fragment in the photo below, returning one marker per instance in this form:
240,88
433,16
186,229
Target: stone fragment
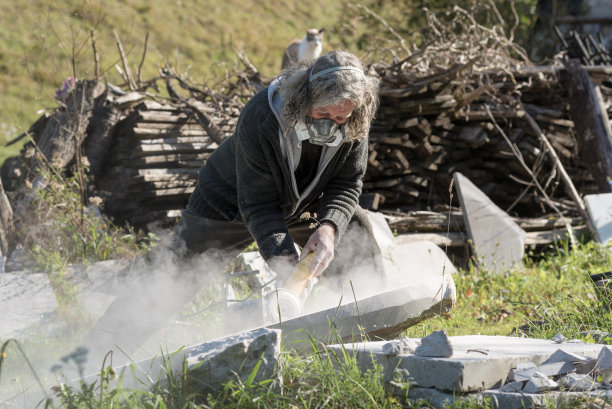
556,368
523,371
404,346
539,383
559,338
577,383
436,344
587,367
604,363
498,242
213,364
516,386
561,355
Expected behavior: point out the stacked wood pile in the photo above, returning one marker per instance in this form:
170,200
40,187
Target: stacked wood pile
157,151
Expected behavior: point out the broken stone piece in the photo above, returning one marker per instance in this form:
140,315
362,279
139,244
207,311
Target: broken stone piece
539,383
513,386
604,363
523,371
404,346
556,368
578,383
586,367
436,344
559,339
215,363
563,356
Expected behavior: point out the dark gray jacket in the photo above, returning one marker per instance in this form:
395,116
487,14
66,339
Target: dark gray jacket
248,179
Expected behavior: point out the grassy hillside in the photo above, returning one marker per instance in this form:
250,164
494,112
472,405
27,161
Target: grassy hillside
42,42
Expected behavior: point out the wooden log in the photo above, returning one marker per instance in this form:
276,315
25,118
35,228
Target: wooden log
371,201
66,130
99,136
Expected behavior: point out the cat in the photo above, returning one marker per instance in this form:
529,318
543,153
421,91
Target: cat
309,47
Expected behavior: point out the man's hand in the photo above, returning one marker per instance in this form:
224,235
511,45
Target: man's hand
322,242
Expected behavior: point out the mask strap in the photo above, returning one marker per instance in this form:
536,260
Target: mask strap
332,69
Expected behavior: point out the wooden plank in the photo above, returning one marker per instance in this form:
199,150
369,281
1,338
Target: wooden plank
459,239
591,124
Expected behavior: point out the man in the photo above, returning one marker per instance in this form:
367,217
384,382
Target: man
290,174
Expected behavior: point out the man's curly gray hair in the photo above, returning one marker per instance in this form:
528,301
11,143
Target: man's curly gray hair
301,96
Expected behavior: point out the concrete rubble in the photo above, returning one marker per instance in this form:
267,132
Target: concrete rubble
511,372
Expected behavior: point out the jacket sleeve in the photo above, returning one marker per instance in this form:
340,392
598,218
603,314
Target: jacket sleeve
341,194
257,188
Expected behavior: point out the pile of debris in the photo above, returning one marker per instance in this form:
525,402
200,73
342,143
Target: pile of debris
510,372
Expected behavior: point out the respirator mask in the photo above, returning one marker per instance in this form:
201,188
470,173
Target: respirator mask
320,131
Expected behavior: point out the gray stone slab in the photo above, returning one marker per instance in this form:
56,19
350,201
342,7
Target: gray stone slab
599,209
498,242
209,364
26,301
469,369
382,316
